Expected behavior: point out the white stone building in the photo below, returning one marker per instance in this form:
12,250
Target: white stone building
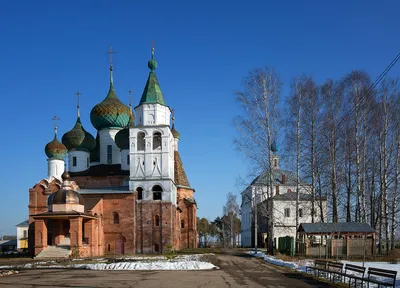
282,205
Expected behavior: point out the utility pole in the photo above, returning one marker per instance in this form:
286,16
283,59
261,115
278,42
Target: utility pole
255,224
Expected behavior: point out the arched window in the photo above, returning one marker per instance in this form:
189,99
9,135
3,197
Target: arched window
275,163
139,193
140,141
157,220
157,141
157,192
182,223
116,218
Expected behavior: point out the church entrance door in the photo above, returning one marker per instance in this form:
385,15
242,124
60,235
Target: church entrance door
119,246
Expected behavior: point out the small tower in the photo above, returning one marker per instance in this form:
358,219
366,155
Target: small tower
56,153
274,156
108,117
122,139
79,143
151,149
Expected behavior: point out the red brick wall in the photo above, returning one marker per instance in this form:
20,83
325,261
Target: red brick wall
115,233
188,234
148,233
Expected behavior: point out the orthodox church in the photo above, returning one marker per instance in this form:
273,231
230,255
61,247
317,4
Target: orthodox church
125,191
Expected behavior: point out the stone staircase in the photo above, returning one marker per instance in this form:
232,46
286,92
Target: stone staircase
62,250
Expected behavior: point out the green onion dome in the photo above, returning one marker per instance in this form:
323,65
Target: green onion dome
175,133
111,112
55,149
122,137
78,138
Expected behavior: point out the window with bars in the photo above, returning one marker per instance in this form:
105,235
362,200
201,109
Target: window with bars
287,212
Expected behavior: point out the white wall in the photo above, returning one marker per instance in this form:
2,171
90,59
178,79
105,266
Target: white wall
152,114
286,226
81,161
124,159
55,168
107,137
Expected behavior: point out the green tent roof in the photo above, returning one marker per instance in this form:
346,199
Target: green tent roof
152,92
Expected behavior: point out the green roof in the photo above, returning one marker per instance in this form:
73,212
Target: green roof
78,138
111,112
152,92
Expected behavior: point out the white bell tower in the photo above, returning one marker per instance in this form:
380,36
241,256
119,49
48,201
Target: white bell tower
151,144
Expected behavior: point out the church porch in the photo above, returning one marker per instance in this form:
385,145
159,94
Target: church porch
71,230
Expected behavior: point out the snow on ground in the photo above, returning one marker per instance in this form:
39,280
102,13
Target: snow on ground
182,262
300,265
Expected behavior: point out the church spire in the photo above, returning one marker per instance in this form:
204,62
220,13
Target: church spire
152,92
78,94
55,119
111,52
131,116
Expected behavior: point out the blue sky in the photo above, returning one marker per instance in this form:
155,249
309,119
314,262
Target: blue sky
51,49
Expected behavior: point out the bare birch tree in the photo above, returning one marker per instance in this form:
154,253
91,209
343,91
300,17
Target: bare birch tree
257,127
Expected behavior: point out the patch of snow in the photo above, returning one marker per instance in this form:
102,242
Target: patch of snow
155,265
273,260
181,262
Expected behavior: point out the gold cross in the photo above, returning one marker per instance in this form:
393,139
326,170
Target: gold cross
130,98
78,94
111,52
55,119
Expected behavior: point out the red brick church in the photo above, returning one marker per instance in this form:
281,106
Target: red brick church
125,191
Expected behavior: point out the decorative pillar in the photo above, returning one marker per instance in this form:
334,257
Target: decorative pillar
75,231
58,231
89,233
40,236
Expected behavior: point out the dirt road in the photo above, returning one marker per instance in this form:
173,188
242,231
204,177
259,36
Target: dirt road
237,270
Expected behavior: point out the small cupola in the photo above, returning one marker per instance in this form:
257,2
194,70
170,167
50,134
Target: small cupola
79,143
56,152
274,156
66,199
55,149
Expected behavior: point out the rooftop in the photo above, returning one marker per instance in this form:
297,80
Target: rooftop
329,228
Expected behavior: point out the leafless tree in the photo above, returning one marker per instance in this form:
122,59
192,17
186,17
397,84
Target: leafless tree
257,126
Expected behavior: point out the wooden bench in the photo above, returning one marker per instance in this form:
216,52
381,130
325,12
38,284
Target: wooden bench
335,270
319,266
388,274
356,274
